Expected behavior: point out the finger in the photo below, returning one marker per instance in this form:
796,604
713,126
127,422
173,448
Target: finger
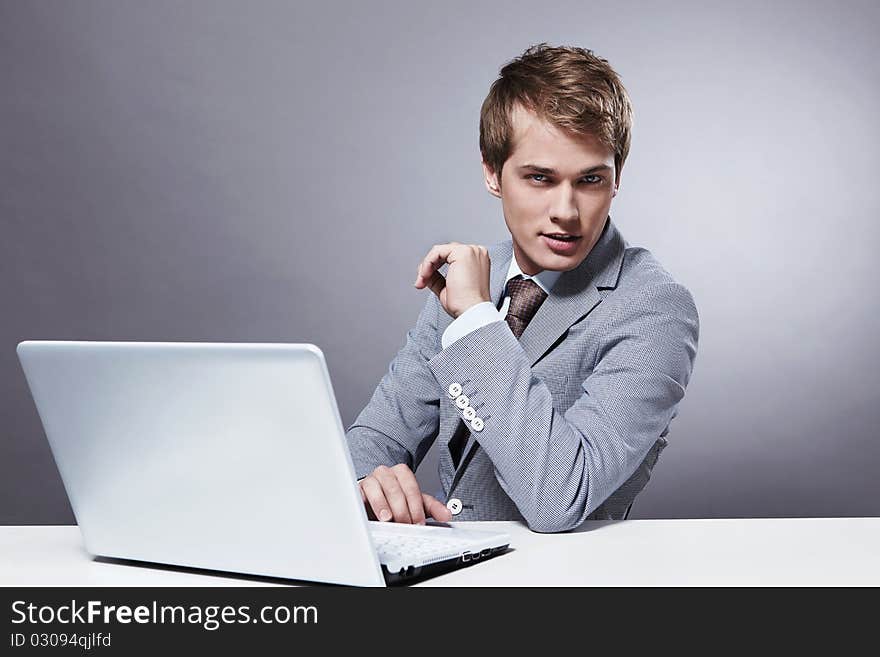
435,259
369,509
436,509
394,494
437,282
376,498
410,486
432,261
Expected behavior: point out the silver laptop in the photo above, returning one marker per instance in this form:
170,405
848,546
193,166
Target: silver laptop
228,457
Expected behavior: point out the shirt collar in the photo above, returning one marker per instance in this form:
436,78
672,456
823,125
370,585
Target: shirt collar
545,279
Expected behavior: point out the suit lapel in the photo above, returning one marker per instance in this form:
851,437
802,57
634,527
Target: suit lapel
500,263
553,318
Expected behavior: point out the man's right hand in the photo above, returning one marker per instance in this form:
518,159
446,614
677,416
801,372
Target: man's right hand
394,494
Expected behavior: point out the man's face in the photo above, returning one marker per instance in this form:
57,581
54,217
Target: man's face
553,183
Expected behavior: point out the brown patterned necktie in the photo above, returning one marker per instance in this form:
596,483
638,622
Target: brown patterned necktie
526,297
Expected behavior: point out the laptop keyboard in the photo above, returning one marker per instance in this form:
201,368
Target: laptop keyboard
398,543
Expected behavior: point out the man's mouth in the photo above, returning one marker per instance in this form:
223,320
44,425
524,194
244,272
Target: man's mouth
562,237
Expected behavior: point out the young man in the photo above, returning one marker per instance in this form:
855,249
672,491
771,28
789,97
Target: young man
550,365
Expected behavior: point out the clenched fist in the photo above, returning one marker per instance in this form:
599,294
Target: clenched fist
467,279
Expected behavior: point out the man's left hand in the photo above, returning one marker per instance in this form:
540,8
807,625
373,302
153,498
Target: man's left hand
467,279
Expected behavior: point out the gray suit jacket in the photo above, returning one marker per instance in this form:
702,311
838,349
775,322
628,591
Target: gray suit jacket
575,413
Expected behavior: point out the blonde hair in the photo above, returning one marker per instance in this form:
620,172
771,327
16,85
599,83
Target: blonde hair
568,87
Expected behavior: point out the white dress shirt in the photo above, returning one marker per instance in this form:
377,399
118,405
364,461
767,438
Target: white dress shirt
484,313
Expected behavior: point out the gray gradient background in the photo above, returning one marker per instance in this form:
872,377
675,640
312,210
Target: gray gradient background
265,171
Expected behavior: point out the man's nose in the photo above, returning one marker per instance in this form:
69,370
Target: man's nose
564,209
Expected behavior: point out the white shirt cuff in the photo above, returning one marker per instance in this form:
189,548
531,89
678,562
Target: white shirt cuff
477,316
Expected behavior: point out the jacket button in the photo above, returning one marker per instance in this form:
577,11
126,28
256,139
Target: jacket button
477,424
454,506
454,390
469,413
462,401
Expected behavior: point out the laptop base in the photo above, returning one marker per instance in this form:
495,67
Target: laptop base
415,574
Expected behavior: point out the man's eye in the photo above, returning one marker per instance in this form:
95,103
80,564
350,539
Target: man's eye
591,179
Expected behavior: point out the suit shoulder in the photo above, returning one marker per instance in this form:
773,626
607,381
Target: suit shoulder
501,247
644,278
640,267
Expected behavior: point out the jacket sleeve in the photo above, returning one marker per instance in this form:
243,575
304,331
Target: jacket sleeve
402,418
559,467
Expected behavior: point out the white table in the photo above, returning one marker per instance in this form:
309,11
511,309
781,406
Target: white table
728,552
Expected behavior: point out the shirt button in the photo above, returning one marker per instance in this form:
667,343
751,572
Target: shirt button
469,413
454,390
454,506
462,401
477,424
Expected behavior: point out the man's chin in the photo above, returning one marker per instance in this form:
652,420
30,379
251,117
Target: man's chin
545,259
557,262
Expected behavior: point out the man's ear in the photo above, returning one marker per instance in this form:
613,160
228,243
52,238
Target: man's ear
491,179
